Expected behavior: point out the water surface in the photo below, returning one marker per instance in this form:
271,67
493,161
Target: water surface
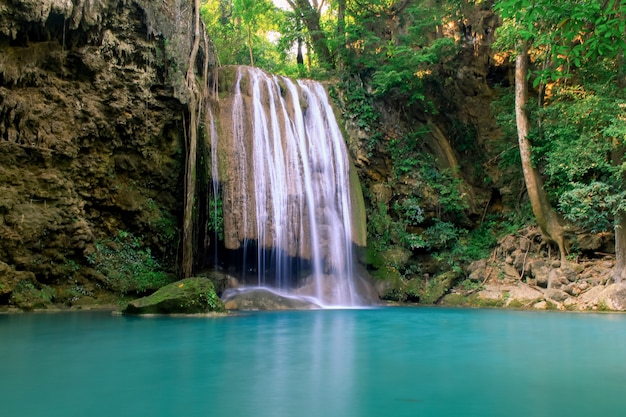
343,363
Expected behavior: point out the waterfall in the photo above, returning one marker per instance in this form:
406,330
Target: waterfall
285,182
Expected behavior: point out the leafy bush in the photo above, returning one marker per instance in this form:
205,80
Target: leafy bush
126,265
442,235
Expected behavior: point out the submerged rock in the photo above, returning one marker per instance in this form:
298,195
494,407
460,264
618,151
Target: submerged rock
188,296
264,299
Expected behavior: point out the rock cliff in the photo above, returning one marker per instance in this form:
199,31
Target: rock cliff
92,117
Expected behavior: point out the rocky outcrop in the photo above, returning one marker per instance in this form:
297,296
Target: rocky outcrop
520,275
188,296
91,138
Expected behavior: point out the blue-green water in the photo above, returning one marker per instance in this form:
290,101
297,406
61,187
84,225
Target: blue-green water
333,363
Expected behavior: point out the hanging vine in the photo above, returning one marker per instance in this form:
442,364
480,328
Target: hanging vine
198,94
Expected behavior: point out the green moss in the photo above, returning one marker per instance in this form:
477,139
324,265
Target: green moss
516,304
455,300
602,306
395,286
359,219
433,290
227,77
387,273
477,301
188,296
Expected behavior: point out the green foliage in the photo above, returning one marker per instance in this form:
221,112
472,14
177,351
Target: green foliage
591,205
410,211
406,154
237,26
215,218
25,295
213,301
358,104
397,50
442,235
126,265
581,143
394,46
564,35
508,157
162,222
385,231
469,285
406,68
379,227
447,189
477,243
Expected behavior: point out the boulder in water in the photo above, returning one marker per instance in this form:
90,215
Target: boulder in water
264,299
188,296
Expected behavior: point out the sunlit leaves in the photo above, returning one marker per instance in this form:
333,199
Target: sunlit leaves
582,134
241,27
564,34
587,205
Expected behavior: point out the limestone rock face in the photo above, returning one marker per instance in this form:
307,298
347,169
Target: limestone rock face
91,136
188,296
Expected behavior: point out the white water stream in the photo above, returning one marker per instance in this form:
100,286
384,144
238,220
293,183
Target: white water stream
291,163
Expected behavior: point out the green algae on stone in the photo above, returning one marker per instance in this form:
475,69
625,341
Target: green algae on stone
435,289
188,296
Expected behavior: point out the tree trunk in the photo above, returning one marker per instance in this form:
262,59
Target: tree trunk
195,107
300,55
617,158
311,19
619,273
550,223
341,33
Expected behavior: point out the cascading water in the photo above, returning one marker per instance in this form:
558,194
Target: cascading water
286,188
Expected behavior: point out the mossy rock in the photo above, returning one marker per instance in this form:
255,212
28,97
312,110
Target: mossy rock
188,296
455,300
434,290
516,304
389,284
476,300
414,290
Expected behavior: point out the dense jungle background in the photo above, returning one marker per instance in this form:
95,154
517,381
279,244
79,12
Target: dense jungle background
488,137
